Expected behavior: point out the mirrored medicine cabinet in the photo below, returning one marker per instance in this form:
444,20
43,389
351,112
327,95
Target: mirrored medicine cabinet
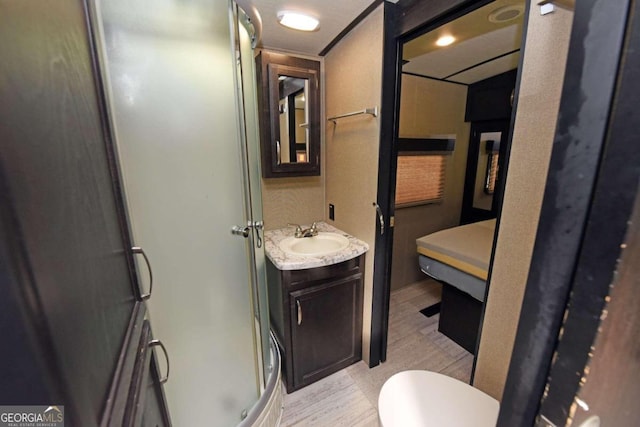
289,102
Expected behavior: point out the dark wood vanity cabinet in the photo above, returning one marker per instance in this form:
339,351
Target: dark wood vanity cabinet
316,316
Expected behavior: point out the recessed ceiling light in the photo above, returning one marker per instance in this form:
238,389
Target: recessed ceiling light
298,21
506,13
445,40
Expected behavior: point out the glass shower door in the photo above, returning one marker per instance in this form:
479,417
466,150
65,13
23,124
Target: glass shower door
170,73
248,111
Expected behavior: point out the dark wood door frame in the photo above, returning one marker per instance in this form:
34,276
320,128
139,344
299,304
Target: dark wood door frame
401,23
386,189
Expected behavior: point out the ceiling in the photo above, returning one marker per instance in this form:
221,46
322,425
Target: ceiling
483,47
334,16
487,44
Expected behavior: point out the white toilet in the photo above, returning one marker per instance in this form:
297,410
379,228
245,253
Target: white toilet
423,398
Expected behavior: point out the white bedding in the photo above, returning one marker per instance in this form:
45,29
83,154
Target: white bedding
467,247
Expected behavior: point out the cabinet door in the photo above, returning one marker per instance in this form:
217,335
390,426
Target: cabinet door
156,413
146,405
326,323
490,99
68,267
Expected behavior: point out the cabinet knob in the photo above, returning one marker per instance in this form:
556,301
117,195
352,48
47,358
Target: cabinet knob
299,312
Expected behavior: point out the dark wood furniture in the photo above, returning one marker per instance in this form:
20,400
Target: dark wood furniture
316,316
137,397
492,98
271,68
489,106
460,317
71,315
146,399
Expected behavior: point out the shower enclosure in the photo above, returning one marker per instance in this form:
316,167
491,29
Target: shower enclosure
180,85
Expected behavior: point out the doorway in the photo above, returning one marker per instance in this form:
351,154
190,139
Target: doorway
462,94
560,234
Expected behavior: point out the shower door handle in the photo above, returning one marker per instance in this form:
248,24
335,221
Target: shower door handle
258,226
236,230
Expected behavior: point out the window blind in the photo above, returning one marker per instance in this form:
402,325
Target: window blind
420,178
492,175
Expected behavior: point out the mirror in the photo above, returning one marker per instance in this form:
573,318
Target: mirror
484,177
289,116
487,170
292,145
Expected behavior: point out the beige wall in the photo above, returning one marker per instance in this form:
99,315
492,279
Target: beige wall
543,72
297,200
428,108
353,81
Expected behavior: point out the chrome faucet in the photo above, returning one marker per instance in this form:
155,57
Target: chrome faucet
306,232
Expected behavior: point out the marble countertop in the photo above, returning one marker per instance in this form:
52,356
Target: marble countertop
286,261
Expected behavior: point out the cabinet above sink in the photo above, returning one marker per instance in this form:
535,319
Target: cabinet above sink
289,102
330,246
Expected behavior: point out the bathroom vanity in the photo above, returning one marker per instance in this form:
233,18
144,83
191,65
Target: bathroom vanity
315,302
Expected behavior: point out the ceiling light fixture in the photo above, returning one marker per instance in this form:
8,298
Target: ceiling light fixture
445,40
506,13
298,21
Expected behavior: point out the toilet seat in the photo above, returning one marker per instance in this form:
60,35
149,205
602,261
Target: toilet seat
423,398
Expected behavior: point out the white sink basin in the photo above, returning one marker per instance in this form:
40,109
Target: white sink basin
322,244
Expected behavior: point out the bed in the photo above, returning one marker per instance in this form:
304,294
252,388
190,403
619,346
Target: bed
459,258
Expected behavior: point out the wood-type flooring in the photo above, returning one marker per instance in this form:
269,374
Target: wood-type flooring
350,397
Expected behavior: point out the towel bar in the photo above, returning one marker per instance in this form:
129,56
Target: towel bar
372,111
